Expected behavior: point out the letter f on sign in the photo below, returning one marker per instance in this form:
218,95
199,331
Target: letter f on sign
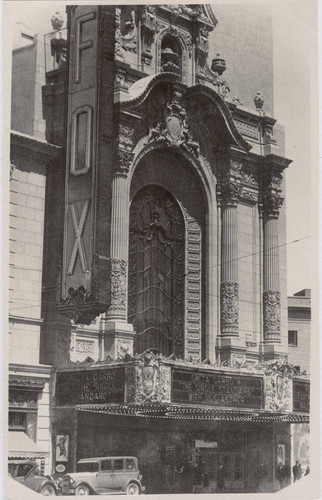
78,245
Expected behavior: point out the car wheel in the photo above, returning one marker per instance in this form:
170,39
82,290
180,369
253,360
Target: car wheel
48,490
133,489
82,490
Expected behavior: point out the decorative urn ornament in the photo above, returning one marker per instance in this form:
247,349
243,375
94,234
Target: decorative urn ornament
218,65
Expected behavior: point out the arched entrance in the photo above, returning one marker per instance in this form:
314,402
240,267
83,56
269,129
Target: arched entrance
156,271
166,255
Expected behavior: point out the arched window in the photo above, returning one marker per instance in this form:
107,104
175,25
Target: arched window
157,271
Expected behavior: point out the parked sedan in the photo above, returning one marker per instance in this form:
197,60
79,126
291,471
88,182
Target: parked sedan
104,475
26,472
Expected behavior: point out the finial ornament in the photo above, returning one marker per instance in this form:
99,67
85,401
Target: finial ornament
218,65
57,21
259,101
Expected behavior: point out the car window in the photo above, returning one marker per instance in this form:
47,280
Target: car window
87,467
12,469
118,464
23,469
106,465
129,464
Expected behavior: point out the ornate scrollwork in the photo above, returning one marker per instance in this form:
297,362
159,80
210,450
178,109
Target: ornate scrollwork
229,295
272,311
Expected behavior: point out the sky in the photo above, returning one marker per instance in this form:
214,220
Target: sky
295,102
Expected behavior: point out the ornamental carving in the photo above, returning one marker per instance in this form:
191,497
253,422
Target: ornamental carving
230,193
173,128
118,277
84,346
272,311
124,347
77,298
121,81
26,382
126,136
278,385
272,206
229,297
124,162
152,379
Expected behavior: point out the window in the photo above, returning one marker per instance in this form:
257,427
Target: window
118,464
129,464
292,337
106,465
87,467
17,421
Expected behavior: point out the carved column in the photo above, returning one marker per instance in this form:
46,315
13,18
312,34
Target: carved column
229,288
118,333
271,293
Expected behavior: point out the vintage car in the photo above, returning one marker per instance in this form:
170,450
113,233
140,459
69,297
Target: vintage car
26,472
104,475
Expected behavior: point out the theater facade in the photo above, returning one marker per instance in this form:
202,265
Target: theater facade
168,230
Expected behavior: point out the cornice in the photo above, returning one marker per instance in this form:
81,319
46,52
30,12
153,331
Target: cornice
25,320
43,371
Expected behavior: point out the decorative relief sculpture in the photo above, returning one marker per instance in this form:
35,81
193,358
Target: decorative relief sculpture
124,347
272,311
118,278
152,381
76,298
84,346
229,295
278,384
173,129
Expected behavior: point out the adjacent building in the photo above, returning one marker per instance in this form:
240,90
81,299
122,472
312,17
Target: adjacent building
163,321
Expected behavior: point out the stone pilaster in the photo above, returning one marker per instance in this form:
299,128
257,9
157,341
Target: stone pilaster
271,293
118,334
229,288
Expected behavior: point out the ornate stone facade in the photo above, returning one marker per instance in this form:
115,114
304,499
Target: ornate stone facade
229,293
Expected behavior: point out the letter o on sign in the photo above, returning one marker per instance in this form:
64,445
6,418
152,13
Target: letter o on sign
81,143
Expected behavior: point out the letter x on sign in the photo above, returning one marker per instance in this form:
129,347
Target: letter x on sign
79,244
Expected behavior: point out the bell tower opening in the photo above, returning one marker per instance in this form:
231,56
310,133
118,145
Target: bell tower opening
156,271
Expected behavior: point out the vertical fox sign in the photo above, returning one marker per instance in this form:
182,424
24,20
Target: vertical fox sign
84,289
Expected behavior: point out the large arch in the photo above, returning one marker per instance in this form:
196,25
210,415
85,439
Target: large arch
171,170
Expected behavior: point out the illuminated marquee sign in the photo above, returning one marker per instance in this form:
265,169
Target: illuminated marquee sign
217,389
90,386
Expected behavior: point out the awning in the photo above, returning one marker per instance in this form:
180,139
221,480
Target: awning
21,446
176,412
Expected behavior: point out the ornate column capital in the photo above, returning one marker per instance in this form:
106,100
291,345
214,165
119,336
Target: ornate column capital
123,162
230,194
272,204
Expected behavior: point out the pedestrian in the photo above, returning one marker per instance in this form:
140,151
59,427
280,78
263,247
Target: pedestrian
205,482
185,474
280,474
307,471
297,471
197,478
221,479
